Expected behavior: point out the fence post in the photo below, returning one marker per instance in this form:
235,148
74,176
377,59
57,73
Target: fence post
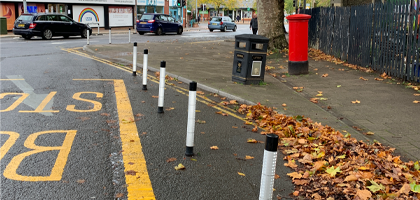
109,35
191,119
129,35
135,58
269,167
161,86
146,54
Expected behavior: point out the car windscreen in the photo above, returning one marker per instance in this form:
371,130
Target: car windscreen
25,18
146,17
216,19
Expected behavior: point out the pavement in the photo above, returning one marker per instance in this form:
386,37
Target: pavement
386,107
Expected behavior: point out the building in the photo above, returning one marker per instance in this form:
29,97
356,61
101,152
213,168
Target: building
244,10
102,13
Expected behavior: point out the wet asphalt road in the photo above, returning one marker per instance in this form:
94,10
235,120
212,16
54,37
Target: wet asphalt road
63,140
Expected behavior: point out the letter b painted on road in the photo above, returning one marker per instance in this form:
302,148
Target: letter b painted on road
60,163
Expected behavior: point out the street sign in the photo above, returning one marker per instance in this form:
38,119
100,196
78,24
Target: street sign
204,12
248,9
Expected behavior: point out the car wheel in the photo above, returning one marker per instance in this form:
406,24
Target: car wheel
224,29
211,30
141,33
27,37
66,37
234,29
159,31
179,31
47,34
84,33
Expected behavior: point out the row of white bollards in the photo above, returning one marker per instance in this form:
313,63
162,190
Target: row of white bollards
110,36
270,152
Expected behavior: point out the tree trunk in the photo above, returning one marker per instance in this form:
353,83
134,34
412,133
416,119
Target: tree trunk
271,22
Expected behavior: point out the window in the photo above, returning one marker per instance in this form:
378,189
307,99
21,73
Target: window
147,17
25,18
65,19
42,18
216,19
171,19
52,18
163,18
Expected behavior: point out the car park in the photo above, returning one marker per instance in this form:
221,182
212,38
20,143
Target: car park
158,24
48,26
222,23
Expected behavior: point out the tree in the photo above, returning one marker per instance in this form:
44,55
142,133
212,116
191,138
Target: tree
288,6
271,22
217,4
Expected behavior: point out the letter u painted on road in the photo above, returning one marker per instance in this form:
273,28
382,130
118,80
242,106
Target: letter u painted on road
60,163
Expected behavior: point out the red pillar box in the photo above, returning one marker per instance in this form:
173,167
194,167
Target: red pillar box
298,44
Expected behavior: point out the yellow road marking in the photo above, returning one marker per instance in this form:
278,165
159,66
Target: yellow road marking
13,136
137,178
96,105
41,106
60,163
16,103
155,80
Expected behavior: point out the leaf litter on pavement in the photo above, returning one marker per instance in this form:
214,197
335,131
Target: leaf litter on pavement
330,165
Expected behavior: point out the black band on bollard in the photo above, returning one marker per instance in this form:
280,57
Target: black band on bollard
163,64
134,73
160,109
135,44
193,86
271,142
189,152
146,51
144,87
129,29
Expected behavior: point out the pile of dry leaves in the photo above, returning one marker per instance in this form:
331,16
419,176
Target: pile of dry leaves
330,165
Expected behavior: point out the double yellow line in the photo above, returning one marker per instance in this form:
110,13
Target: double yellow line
139,187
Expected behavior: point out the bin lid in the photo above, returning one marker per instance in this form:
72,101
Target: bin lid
252,38
298,17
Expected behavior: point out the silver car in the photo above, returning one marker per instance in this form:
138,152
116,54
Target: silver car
222,23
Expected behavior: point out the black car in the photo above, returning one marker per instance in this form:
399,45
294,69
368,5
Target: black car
48,25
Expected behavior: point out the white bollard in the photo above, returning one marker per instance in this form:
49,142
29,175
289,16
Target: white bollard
146,54
129,35
161,86
191,119
110,35
269,167
87,40
135,58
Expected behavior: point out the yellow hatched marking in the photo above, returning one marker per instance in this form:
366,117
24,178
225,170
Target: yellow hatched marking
139,185
155,80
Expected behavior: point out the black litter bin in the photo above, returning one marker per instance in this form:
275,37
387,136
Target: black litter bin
249,59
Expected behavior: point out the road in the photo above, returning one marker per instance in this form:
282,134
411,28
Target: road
76,128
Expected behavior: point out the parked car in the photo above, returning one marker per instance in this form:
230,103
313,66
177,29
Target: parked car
158,24
222,23
48,26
